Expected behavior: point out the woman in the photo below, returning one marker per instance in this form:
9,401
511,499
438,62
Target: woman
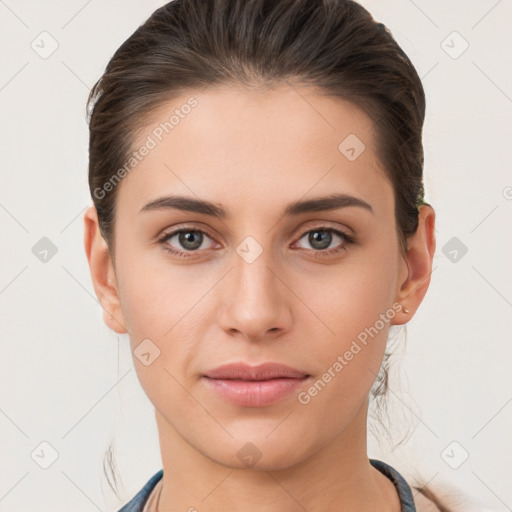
259,223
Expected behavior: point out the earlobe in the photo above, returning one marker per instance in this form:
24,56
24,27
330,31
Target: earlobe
419,257
102,272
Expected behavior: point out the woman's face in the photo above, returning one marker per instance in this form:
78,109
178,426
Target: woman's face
270,281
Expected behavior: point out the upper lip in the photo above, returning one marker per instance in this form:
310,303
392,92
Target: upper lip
266,371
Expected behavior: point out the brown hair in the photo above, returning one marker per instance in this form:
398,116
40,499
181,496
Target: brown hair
333,45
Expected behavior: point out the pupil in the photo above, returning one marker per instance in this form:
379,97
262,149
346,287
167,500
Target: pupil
324,238
189,240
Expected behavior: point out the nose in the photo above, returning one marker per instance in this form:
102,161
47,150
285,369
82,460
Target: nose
255,300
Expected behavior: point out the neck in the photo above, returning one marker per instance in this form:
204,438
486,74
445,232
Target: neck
337,477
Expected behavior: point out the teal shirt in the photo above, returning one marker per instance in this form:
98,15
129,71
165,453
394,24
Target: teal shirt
402,487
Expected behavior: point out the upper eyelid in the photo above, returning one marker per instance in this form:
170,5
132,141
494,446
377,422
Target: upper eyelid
179,229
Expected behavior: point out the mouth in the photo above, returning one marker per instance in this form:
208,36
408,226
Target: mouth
254,386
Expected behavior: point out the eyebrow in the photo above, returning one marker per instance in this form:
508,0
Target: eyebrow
319,204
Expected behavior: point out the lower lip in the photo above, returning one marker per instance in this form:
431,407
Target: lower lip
254,393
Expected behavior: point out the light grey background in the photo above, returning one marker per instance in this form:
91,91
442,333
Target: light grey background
66,380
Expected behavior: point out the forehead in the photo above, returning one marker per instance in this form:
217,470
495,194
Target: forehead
252,148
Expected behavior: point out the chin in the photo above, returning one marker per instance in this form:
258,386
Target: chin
260,452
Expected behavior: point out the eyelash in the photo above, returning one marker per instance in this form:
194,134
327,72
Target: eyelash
347,240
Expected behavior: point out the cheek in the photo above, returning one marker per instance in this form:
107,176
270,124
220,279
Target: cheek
155,294
349,357
350,297
354,303
163,303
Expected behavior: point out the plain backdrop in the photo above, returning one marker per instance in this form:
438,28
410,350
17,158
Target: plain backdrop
67,383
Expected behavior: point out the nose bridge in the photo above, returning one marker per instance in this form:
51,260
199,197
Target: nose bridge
255,283
254,303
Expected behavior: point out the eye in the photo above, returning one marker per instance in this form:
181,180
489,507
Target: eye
321,238
190,240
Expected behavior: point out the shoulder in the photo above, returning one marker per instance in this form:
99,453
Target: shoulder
437,496
136,504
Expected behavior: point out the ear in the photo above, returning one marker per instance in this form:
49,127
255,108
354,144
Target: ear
420,253
102,272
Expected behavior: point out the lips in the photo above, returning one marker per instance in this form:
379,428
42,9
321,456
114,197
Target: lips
254,386
266,371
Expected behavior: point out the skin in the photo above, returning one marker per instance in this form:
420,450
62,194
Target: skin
291,305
